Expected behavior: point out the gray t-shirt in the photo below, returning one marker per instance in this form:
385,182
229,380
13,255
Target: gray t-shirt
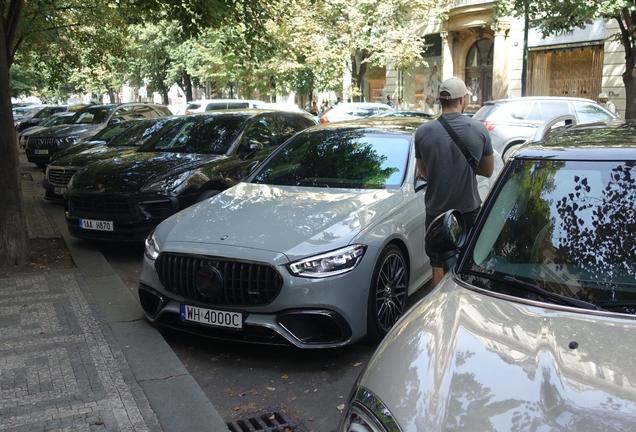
452,183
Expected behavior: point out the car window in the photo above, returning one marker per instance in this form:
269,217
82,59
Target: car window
206,134
290,125
92,115
365,111
238,105
553,109
216,106
589,113
555,223
506,112
342,159
145,111
262,131
194,106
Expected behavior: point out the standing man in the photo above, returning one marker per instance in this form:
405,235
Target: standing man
450,171
606,103
389,101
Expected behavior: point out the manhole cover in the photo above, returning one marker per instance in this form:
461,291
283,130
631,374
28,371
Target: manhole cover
266,422
26,176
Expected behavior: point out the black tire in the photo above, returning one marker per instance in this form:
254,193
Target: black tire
387,294
207,194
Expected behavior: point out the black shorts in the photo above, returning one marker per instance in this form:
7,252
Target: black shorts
469,218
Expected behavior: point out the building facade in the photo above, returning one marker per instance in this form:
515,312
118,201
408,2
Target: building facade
490,59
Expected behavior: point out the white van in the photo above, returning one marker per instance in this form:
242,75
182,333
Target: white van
220,104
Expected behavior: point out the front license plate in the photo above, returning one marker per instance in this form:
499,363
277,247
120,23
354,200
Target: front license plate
96,225
212,317
40,151
59,190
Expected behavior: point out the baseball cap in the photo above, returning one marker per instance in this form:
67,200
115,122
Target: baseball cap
602,95
455,87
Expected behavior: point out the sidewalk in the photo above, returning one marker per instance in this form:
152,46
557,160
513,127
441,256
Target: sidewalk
76,352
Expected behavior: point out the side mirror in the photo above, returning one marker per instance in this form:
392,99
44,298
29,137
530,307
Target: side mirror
445,236
255,146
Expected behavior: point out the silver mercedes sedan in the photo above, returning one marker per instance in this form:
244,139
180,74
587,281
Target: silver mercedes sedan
320,247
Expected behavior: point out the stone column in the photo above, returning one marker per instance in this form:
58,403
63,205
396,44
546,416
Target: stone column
500,61
448,68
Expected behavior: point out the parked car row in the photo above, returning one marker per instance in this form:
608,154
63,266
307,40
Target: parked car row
262,226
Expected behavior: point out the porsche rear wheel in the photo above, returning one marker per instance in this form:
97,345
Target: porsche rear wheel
388,292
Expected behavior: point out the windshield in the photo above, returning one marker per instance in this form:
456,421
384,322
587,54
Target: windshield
139,133
112,130
91,115
566,226
339,159
206,134
56,120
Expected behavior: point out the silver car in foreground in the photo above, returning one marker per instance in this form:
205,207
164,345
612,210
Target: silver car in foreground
534,328
319,248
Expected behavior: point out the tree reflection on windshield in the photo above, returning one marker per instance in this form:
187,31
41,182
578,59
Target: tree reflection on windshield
339,159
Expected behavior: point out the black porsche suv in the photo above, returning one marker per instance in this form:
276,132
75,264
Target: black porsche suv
84,124
196,157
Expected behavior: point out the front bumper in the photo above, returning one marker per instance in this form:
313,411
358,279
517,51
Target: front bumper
306,313
131,218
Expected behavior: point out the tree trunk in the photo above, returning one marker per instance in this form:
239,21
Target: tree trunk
629,79
359,69
13,229
187,83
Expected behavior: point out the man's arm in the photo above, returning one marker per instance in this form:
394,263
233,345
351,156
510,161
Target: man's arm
485,167
421,168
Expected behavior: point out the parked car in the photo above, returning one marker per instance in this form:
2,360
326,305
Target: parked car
117,140
44,114
404,113
204,105
84,124
353,111
198,156
534,326
512,121
319,248
25,112
53,120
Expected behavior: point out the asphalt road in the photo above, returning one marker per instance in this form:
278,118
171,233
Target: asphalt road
242,380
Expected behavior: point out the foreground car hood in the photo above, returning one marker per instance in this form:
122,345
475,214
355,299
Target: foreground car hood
131,171
461,360
297,221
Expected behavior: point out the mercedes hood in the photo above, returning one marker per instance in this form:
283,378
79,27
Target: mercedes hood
297,221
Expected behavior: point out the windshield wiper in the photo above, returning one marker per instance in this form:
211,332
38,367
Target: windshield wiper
559,298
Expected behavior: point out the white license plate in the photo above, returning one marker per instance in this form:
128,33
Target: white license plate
212,317
59,190
96,225
40,151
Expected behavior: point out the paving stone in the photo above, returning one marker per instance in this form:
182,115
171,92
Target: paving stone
60,366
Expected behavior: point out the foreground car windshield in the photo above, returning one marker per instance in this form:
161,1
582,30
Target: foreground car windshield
205,134
564,226
339,159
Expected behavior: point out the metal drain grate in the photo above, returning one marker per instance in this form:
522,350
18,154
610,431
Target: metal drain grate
266,422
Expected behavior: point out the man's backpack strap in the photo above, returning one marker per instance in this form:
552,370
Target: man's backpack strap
458,142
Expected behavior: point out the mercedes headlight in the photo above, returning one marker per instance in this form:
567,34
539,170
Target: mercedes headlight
366,413
71,139
329,264
152,248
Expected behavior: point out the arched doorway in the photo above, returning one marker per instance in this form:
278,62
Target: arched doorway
479,72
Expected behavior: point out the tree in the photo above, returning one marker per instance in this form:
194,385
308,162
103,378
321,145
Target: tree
551,16
65,28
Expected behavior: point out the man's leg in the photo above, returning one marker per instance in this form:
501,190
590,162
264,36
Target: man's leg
438,274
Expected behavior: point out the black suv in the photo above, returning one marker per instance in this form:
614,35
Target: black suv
84,124
191,159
